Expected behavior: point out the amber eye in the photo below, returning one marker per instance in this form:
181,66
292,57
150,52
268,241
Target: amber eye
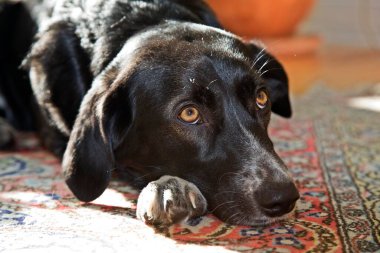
190,115
261,99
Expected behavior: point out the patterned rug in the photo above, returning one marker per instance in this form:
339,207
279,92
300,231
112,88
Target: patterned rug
331,148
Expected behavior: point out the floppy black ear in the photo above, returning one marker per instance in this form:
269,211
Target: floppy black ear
276,79
88,161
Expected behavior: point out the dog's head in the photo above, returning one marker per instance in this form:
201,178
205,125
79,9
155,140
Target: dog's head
190,101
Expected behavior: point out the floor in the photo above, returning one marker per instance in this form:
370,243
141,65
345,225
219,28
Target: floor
338,67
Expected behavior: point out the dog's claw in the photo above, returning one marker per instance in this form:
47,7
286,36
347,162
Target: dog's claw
193,199
170,200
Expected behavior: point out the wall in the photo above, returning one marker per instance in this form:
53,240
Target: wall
346,22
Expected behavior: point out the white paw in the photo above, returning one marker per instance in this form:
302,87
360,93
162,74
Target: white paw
169,200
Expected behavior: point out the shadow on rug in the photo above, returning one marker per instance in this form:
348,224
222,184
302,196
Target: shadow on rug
331,149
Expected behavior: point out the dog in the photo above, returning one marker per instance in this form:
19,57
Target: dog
158,93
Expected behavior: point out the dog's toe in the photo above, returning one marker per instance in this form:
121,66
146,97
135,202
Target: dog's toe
170,200
148,203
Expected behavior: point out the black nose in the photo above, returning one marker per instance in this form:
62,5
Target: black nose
277,199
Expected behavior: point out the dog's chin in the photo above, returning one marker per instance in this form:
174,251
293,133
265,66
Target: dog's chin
260,221
269,220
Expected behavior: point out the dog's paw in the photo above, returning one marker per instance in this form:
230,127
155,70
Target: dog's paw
170,200
7,135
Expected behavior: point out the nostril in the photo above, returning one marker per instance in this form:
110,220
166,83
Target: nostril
278,200
279,209
272,210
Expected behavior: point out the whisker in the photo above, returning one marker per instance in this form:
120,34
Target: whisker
265,63
229,209
258,57
149,173
227,202
145,175
234,215
260,54
154,167
226,192
220,178
242,220
261,74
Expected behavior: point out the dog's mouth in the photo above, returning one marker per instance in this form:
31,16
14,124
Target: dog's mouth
261,220
271,220
234,214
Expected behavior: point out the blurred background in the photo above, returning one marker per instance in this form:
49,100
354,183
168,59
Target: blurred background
354,23
330,42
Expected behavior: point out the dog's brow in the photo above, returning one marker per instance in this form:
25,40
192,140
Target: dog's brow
207,87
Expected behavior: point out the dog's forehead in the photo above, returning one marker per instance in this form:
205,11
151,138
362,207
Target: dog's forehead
188,38
182,58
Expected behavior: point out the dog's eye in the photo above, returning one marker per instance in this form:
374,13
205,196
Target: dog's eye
190,115
261,99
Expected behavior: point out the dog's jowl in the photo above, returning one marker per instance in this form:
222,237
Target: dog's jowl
159,94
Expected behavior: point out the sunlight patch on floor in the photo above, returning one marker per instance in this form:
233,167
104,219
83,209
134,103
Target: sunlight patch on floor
366,103
111,197
26,197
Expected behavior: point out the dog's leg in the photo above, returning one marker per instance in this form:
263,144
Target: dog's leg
17,30
169,200
7,135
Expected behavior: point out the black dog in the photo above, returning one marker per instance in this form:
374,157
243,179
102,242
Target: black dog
156,91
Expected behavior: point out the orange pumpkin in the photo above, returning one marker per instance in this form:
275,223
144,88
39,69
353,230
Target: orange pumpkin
261,18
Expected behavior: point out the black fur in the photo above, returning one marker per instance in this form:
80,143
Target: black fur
110,78
17,29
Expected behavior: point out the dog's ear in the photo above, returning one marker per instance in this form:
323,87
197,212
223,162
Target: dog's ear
276,79
99,128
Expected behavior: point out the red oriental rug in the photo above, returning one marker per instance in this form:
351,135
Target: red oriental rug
331,148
